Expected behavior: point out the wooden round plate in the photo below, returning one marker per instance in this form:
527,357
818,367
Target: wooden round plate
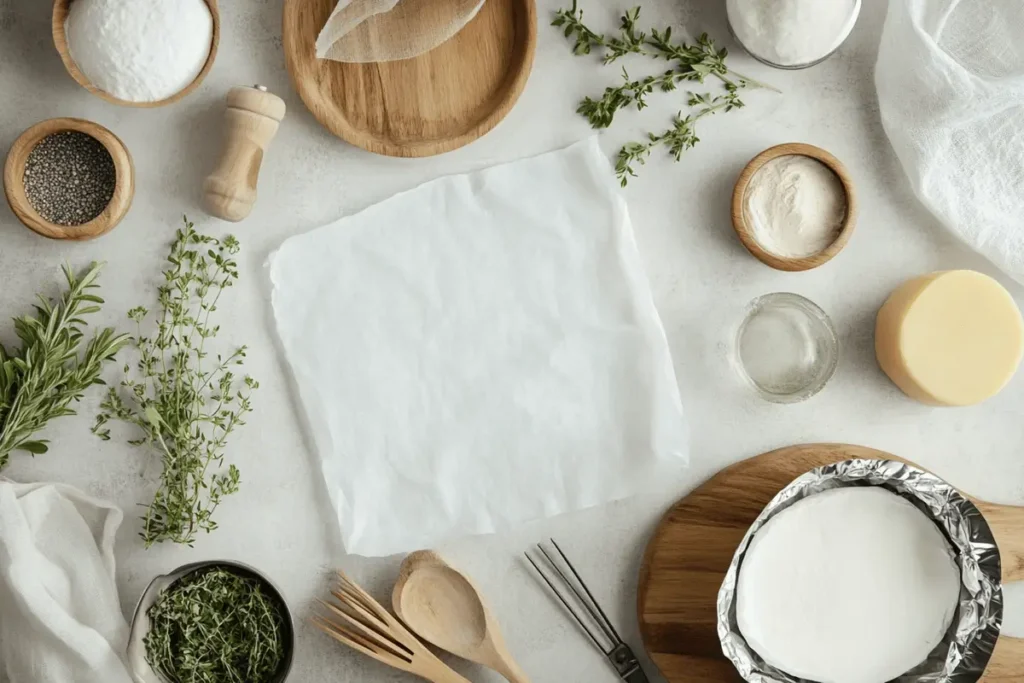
687,558
416,107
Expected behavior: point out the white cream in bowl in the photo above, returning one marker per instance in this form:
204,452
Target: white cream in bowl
852,585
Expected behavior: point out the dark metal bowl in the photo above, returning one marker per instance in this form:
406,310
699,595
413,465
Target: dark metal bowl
143,673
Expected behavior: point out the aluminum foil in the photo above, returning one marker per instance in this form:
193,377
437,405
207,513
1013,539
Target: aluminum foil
967,647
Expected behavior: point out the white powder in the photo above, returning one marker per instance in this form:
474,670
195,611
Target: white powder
795,206
140,50
853,585
792,32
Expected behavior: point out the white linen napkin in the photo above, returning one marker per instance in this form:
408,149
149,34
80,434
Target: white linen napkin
479,351
60,619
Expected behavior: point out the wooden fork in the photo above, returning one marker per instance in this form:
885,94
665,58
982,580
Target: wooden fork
357,620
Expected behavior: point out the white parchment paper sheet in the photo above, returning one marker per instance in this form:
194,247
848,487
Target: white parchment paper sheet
479,351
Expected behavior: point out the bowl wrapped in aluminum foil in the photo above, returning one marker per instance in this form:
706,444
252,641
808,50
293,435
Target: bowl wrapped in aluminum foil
967,647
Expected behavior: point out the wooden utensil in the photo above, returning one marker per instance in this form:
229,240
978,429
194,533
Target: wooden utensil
250,121
417,107
686,561
357,620
746,233
14,180
443,606
60,41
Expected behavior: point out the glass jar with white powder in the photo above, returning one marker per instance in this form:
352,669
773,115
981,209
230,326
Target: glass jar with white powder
792,34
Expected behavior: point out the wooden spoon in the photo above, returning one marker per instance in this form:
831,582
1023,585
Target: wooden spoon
442,606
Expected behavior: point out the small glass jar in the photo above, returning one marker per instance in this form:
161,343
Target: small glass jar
750,35
786,348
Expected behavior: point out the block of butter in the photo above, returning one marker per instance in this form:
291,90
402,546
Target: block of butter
952,338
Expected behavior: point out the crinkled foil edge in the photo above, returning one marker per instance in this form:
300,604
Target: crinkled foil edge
967,646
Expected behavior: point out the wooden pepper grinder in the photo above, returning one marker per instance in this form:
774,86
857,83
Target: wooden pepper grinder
252,117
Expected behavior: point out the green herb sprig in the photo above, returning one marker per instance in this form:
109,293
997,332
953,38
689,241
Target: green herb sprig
184,402
215,626
690,63
679,138
40,380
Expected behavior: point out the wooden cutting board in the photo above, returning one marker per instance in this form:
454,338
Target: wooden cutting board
417,107
687,558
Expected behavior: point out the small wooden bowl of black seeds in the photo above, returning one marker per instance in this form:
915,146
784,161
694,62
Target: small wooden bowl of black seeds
69,179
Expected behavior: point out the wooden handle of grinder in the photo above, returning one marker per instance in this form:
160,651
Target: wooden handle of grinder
251,121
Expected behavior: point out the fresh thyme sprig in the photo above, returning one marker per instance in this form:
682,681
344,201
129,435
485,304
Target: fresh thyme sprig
628,41
40,380
679,138
215,626
690,63
600,113
694,62
183,406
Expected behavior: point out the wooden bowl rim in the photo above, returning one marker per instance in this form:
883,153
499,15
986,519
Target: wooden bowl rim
112,214
512,86
60,13
746,235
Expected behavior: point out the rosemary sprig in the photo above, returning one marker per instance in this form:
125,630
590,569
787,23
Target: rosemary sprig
679,138
690,62
215,626
40,380
183,405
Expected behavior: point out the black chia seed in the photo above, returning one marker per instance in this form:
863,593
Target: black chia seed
69,178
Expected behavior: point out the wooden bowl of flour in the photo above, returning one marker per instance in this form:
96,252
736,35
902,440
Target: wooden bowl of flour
748,234
60,40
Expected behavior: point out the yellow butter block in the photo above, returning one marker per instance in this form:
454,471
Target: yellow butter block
952,338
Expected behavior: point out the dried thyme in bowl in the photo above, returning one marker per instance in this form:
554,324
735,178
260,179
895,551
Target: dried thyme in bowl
217,626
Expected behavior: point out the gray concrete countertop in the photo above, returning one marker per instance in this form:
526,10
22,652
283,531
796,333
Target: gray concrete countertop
701,276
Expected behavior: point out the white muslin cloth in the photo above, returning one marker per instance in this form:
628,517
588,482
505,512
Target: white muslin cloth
480,351
389,30
950,79
60,618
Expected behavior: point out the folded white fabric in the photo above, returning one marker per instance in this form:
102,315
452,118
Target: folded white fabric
950,80
480,351
60,619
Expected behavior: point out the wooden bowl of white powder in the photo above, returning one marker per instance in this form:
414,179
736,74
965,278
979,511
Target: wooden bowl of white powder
794,206
143,53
